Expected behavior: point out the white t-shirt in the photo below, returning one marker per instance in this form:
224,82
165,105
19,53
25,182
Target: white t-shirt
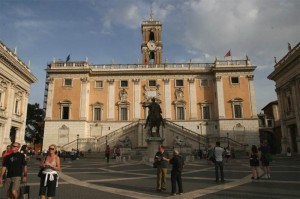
219,153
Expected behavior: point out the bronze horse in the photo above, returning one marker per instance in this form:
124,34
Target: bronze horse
154,118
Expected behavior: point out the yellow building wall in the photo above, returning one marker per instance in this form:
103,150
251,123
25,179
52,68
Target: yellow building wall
71,93
236,91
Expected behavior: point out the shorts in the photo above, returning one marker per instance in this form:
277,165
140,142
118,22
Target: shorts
50,188
12,183
265,163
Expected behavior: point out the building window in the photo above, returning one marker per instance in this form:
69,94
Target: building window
205,112
152,82
97,114
179,82
124,83
237,111
98,84
204,83
1,100
180,113
65,112
151,36
17,107
235,80
67,82
124,114
65,107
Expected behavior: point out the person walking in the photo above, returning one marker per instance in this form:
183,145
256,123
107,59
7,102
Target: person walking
254,162
177,166
107,153
49,178
218,152
5,153
162,168
265,158
16,167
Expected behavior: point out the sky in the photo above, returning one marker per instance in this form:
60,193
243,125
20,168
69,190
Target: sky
107,31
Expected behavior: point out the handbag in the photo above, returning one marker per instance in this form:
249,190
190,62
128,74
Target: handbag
24,191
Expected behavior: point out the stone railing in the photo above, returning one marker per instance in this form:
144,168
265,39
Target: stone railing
191,135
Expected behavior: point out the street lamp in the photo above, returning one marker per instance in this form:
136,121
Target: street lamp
77,152
227,140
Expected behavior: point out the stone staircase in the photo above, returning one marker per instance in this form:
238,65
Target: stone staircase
192,141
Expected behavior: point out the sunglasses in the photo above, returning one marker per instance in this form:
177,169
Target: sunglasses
51,148
15,146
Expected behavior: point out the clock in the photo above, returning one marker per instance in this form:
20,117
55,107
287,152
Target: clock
151,45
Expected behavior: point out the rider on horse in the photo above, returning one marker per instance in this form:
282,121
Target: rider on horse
154,117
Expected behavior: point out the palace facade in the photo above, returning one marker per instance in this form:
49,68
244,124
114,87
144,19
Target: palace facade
286,75
15,80
91,105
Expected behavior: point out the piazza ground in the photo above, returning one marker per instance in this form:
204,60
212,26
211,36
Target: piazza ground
92,177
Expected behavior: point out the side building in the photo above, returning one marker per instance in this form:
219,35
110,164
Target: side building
286,75
93,101
15,80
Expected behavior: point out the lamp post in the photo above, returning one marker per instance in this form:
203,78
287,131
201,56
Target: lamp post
77,152
227,140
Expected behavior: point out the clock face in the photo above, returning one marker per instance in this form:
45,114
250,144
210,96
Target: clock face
151,45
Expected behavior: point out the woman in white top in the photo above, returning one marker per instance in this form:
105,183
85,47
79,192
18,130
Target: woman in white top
49,179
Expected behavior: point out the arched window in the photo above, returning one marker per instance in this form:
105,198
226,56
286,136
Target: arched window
151,57
151,36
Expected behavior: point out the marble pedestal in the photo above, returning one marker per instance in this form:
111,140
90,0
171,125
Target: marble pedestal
153,144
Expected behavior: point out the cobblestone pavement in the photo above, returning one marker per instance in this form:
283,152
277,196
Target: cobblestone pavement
94,178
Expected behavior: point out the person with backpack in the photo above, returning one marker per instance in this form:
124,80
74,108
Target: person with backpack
178,162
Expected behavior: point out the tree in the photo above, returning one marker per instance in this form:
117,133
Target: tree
34,131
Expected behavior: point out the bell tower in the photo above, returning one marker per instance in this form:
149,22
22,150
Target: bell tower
151,41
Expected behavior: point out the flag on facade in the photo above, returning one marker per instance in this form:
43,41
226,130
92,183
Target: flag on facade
68,58
228,54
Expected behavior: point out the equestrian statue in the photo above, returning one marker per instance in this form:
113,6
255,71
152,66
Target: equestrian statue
154,118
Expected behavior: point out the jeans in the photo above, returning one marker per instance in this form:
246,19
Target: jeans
176,177
217,166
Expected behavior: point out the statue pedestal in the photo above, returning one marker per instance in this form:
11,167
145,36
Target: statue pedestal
153,144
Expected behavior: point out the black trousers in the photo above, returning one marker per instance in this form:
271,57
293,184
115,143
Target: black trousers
176,177
217,166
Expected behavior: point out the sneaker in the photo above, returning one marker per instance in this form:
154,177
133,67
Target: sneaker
269,176
180,193
173,194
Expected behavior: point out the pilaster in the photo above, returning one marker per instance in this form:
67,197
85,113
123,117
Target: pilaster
220,97
136,99
252,98
193,99
84,98
167,98
111,99
50,98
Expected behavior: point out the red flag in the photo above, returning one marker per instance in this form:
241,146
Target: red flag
228,54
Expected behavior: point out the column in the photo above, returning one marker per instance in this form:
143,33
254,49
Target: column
111,100
252,98
220,96
84,98
167,98
193,99
136,99
9,111
24,107
49,105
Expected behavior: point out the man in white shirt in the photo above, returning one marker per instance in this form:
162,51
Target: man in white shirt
218,152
